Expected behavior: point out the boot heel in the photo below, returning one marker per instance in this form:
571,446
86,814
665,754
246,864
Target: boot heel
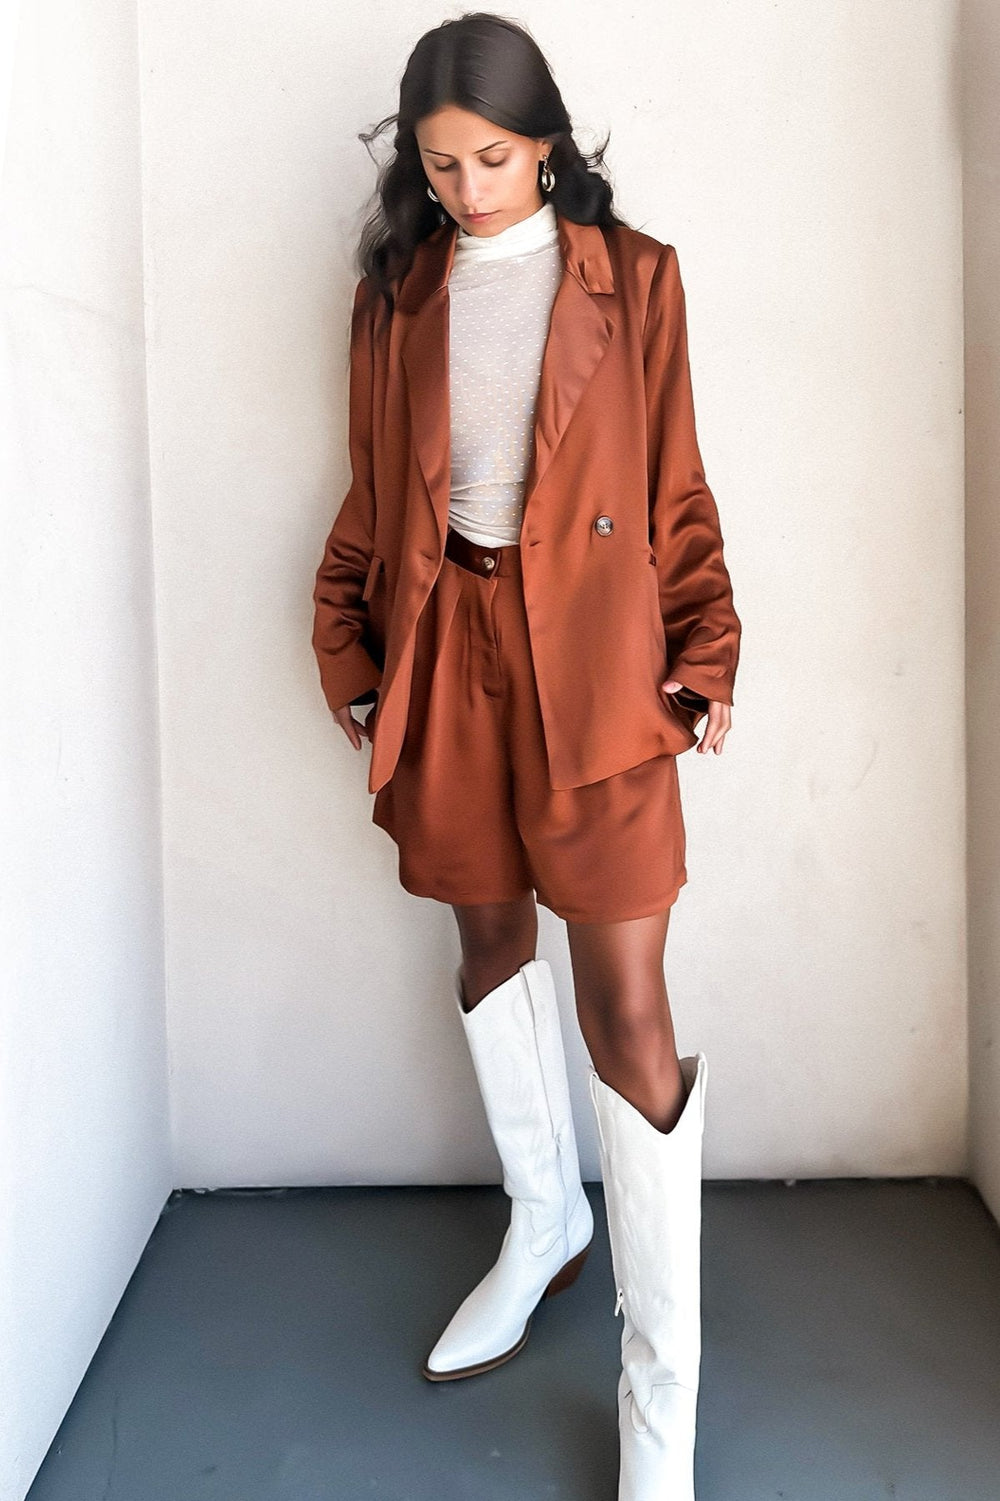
568,1275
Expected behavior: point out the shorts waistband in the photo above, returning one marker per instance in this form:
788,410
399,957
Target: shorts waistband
487,562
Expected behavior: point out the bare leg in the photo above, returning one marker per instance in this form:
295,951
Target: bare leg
624,1014
497,938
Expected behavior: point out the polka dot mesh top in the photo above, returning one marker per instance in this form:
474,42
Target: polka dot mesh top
501,291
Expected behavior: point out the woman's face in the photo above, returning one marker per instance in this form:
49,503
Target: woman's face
485,177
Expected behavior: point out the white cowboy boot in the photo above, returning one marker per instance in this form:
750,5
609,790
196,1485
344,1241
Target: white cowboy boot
517,1050
652,1189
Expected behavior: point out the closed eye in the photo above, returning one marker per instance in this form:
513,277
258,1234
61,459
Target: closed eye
451,165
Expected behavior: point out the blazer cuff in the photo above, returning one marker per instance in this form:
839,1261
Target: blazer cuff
348,678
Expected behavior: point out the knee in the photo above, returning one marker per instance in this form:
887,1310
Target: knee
497,930
489,928
633,1025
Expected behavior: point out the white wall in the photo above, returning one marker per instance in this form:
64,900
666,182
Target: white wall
805,162
84,1144
818,956
981,76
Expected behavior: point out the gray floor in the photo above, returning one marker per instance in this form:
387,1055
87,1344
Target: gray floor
269,1346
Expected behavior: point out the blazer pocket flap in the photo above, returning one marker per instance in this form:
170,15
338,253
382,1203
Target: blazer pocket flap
373,568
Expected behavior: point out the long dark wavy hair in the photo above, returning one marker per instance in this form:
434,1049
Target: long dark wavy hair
493,67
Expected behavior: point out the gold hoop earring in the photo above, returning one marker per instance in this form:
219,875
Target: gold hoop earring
431,194
548,176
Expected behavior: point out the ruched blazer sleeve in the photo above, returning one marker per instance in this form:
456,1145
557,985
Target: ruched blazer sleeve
349,672
696,600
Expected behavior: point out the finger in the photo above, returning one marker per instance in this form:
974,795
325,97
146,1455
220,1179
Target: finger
716,742
712,738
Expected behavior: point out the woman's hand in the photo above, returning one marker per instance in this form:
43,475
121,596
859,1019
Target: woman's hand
353,728
719,721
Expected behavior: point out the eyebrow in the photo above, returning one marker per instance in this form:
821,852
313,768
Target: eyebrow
477,153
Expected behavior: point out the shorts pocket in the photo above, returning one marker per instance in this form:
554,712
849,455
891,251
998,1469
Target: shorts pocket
372,576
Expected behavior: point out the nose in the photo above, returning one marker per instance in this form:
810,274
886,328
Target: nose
470,192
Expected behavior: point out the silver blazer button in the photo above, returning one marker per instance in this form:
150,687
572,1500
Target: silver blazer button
604,526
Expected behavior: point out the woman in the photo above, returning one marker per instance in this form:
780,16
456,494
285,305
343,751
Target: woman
526,576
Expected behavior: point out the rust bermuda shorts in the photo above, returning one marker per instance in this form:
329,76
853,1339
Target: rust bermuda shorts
470,805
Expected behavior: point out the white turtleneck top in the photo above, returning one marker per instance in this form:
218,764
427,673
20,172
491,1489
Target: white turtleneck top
501,291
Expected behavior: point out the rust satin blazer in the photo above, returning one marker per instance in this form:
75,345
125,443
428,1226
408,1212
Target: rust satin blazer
611,613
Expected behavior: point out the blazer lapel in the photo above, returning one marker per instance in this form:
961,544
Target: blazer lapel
578,336
579,333
423,304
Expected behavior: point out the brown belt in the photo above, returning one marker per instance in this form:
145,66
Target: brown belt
470,555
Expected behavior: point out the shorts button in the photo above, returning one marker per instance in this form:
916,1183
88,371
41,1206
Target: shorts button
604,526
489,564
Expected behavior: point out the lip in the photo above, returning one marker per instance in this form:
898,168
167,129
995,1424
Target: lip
479,218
